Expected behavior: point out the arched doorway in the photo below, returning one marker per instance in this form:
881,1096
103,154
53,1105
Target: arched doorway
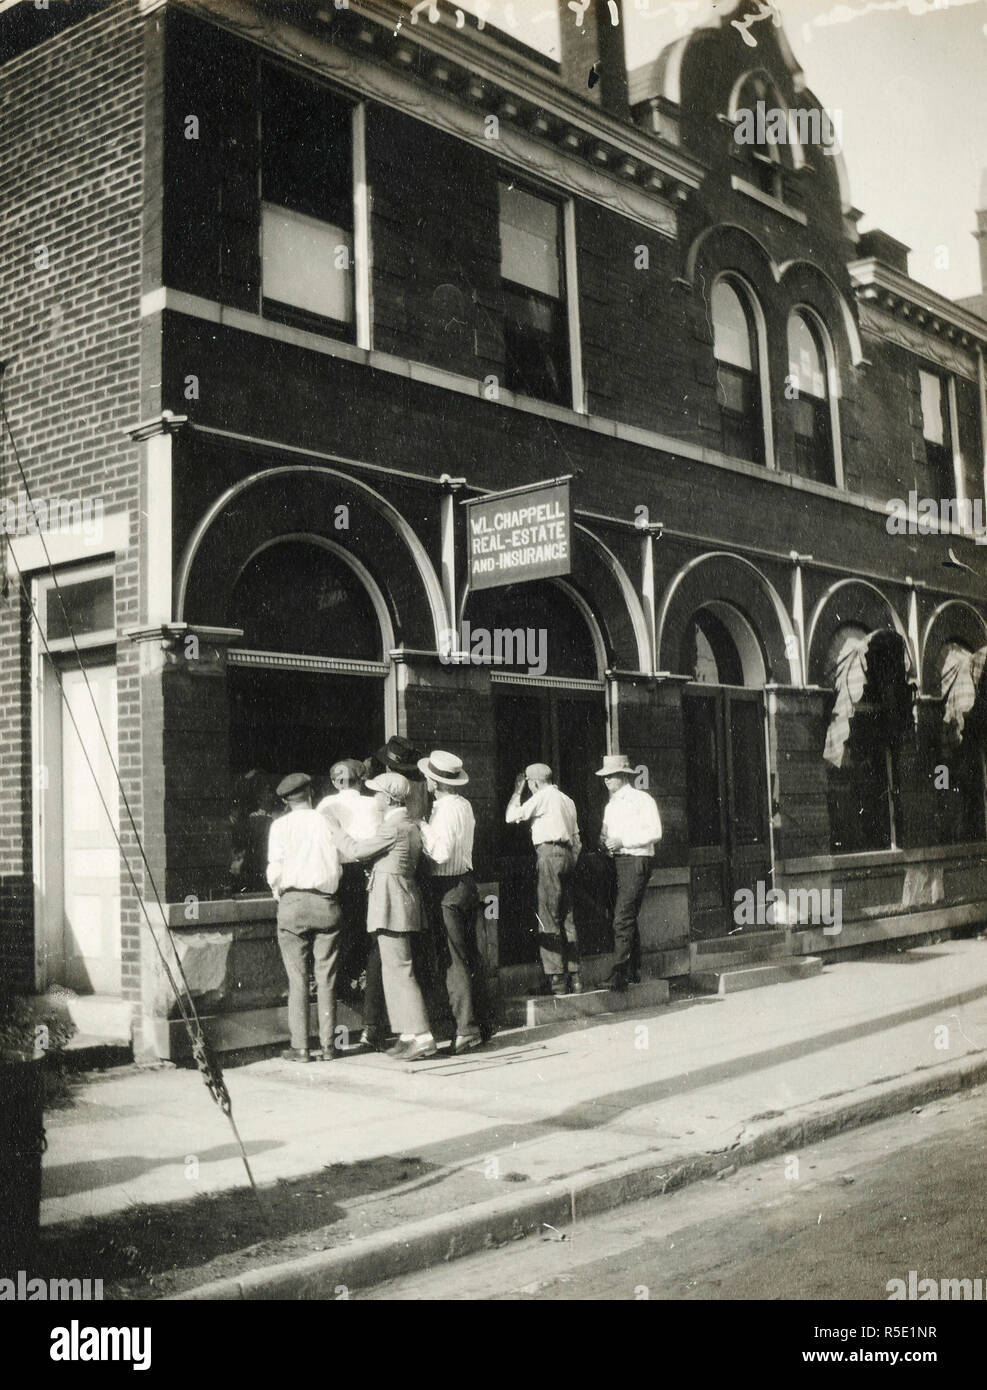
726,765
307,682
549,705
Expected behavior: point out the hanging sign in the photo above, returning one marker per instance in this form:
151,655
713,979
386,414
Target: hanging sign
513,537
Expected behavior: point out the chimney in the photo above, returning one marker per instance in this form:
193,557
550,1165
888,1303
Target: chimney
595,45
981,232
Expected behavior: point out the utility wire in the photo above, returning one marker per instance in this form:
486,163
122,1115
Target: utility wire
205,1059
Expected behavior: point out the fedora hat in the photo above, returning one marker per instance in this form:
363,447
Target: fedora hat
616,765
396,786
398,755
443,767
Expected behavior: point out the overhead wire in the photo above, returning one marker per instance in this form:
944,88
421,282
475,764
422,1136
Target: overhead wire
206,1061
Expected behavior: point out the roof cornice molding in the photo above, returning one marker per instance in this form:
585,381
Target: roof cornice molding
541,128
902,297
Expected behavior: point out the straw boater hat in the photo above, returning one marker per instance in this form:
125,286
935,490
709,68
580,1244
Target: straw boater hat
616,765
443,767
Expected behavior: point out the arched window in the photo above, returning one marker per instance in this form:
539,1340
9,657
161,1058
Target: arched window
765,134
808,391
738,382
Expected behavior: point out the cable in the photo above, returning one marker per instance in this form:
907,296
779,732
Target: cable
205,1060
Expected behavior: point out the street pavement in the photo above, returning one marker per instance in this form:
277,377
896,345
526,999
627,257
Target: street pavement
840,1220
583,1109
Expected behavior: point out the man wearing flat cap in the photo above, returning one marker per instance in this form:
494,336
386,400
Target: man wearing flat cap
631,831
303,872
555,836
451,892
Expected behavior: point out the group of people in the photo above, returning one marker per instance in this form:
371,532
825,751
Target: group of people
397,849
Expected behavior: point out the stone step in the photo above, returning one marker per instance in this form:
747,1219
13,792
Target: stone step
741,941
734,960
90,1052
535,1010
774,972
102,1016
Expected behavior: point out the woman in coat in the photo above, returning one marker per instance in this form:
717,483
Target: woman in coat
394,909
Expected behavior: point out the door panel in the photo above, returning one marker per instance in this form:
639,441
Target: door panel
726,803
90,926
543,725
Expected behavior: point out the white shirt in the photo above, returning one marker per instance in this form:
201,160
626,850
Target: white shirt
631,816
552,815
355,813
301,854
447,837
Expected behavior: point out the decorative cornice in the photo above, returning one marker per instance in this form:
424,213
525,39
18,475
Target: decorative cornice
447,81
933,315
883,323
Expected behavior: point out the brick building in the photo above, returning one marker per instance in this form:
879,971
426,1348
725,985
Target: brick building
284,284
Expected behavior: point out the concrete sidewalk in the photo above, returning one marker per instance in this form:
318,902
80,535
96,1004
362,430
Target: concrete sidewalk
580,1116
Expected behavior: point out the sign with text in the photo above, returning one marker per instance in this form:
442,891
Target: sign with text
521,535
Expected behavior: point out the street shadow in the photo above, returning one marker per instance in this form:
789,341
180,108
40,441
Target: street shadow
67,1179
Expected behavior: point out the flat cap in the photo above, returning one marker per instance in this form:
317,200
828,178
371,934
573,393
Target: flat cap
294,782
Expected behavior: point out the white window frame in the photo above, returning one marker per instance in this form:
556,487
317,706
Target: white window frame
745,291
44,586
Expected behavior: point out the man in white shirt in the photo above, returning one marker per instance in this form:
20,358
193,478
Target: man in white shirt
631,831
356,815
303,872
450,890
555,836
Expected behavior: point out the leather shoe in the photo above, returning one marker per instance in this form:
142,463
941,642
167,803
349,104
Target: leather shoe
372,1039
412,1050
617,984
575,983
559,984
467,1044
324,1054
295,1054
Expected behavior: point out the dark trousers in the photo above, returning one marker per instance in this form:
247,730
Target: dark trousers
308,935
556,924
452,901
633,872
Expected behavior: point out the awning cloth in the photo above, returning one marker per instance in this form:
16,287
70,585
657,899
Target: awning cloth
962,672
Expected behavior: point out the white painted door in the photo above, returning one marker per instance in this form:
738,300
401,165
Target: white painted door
90,858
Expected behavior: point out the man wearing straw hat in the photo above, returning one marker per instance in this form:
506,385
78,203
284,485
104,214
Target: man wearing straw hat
447,839
631,831
555,835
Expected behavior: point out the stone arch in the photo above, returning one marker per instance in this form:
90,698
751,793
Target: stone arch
807,285
953,621
284,500
728,246
853,601
729,580
607,597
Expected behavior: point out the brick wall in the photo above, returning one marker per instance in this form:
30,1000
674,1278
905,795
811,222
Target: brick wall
71,117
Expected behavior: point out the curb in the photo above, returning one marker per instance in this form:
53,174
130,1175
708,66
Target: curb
418,1245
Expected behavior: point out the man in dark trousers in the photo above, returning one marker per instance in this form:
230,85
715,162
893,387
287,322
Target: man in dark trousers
303,872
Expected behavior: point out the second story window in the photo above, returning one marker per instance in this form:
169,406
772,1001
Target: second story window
937,432
307,267
738,385
810,402
536,330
